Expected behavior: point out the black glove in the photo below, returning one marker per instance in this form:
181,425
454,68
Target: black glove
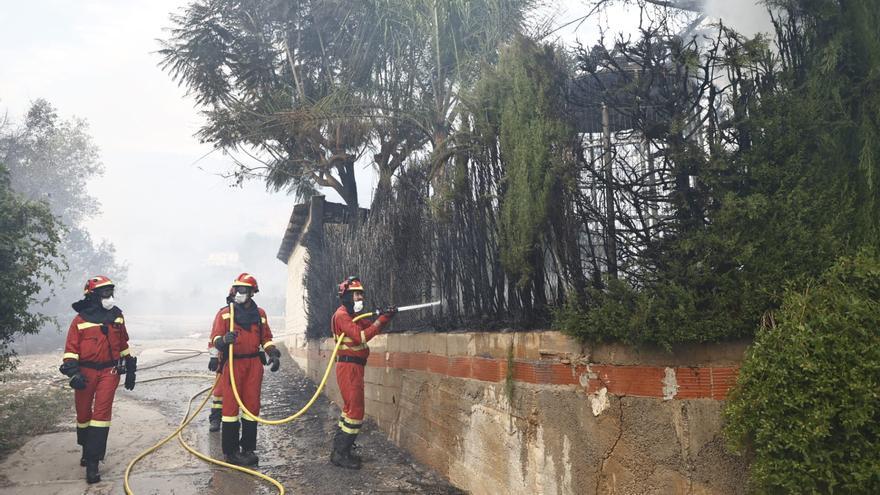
78,381
69,368
274,358
213,364
130,368
222,344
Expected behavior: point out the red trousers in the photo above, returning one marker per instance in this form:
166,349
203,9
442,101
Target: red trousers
248,382
94,404
350,378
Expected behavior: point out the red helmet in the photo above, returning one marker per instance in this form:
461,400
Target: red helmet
95,282
245,280
350,284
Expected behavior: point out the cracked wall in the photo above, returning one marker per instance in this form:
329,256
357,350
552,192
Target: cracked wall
609,420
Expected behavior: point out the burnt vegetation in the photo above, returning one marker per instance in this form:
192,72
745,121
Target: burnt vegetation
662,188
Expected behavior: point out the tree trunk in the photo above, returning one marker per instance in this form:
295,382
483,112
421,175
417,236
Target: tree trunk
610,218
349,191
383,188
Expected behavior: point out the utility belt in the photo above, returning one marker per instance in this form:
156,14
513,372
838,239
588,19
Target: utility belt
258,354
97,366
352,359
247,356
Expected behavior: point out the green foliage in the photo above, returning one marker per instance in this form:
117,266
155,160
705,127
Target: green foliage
795,189
522,104
806,407
52,160
29,237
307,87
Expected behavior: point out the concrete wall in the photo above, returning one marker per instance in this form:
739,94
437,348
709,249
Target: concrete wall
295,321
536,412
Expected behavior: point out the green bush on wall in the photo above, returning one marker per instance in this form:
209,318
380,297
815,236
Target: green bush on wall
806,408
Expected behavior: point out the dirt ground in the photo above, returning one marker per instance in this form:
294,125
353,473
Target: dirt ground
296,454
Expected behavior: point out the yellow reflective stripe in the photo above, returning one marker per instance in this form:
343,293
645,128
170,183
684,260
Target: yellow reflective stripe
82,425
70,355
352,421
346,424
125,352
229,419
100,424
359,347
225,316
268,344
354,347
216,406
87,324
247,417
263,320
353,431
119,320
363,337
217,398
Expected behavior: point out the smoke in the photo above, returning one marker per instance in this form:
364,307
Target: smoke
748,17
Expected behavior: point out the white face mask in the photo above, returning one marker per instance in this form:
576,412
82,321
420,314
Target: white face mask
108,303
240,298
358,306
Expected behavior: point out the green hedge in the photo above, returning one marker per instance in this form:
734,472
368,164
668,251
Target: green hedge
806,408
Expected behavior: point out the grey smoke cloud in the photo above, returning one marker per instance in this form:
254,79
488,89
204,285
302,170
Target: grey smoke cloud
162,202
746,16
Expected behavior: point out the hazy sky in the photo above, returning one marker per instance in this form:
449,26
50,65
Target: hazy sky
182,230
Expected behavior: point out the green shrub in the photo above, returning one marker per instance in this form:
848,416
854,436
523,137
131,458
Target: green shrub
666,313
806,407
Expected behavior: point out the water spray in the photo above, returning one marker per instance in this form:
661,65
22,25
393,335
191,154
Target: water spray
417,306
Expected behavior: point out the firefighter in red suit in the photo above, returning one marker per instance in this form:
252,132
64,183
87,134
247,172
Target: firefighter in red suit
350,362
249,334
95,355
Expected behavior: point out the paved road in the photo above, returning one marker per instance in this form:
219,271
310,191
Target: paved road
296,454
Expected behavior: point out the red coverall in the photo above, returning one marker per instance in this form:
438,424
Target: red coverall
248,374
97,355
350,374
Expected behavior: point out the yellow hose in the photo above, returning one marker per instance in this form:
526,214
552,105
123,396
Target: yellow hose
218,462
179,433
185,421
311,401
187,418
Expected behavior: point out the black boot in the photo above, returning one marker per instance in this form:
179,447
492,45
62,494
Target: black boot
249,442
94,449
230,443
351,453
82,436
214,420
341,455
347,445
96,446
92,474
